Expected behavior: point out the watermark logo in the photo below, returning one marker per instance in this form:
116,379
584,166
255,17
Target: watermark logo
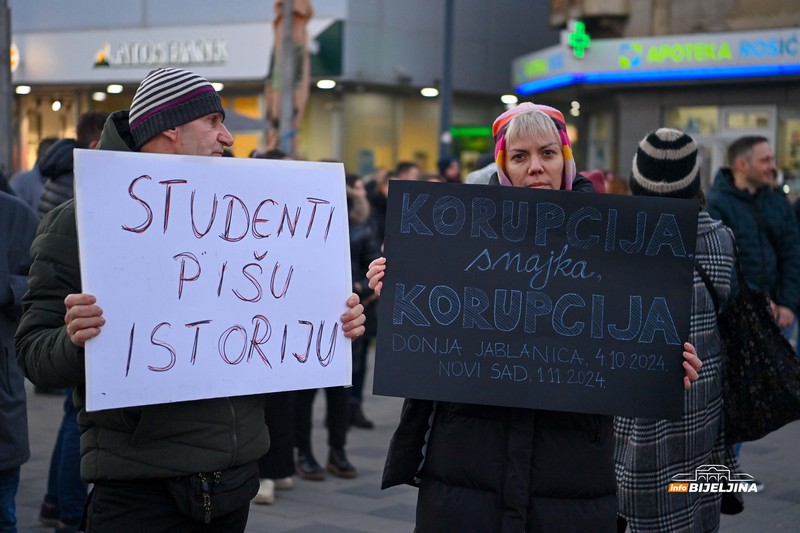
712,478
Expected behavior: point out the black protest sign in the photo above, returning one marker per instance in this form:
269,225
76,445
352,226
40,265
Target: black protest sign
543,299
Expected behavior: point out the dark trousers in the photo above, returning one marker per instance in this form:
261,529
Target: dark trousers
9,482
360,349
337,416
279,414
146,505
65,489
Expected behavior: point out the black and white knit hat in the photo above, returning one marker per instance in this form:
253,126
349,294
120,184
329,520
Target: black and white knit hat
666,164
167,98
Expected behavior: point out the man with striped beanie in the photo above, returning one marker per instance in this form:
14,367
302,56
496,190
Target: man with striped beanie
168,98
182,466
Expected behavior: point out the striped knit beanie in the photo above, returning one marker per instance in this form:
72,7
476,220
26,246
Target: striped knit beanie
167,98
666,164
500,127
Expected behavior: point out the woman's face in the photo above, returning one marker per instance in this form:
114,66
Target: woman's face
535,163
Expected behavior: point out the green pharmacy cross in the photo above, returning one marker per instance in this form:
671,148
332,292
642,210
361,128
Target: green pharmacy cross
579,40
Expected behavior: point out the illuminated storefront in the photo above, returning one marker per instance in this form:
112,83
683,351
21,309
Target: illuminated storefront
100,70
367,124
374,57
715,86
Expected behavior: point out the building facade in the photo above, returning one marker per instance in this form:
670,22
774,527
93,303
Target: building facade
717,70
91,54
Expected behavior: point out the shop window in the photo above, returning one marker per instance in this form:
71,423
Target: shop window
747,120
601,144
787,149
697,120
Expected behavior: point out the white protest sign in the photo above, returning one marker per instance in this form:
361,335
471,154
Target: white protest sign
217,276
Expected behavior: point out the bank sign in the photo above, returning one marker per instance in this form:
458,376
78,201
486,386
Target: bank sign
208,51
221,52
695,56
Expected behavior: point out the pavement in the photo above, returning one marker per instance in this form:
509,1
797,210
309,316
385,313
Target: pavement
359,505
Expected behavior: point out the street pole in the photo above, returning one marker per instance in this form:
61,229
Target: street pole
5,90
286,129
445,92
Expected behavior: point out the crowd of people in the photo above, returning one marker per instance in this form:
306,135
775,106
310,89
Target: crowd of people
477,468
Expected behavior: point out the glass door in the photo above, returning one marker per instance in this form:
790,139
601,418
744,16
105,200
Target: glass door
714,128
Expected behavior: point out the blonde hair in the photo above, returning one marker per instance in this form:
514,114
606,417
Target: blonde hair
533,124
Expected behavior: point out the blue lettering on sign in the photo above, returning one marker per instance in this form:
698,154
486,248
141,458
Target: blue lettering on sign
775,47
514,311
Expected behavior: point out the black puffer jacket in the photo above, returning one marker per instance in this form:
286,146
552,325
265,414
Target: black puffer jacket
501,469
766,235
57,168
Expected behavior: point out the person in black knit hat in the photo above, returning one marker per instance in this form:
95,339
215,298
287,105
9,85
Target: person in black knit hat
666,164
649,452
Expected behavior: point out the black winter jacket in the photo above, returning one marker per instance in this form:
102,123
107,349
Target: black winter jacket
152,441
57,168
766,234
502,469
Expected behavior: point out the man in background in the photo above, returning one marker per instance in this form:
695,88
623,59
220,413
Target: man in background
17,228
28,184
56,166
763,224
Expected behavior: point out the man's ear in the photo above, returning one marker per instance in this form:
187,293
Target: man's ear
171,133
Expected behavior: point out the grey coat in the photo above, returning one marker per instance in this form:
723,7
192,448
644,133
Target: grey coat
17,228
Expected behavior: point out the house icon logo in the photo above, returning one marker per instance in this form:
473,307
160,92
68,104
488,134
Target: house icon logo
712,478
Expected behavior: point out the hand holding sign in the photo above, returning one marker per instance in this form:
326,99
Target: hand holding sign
375,274
691,365
83,318
353,320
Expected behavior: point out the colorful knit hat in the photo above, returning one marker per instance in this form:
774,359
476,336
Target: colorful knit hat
666,164
500,127
167,98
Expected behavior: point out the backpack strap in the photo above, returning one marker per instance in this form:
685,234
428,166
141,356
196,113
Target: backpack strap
709,285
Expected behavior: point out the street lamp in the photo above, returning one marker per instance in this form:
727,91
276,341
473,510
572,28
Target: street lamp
445,137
